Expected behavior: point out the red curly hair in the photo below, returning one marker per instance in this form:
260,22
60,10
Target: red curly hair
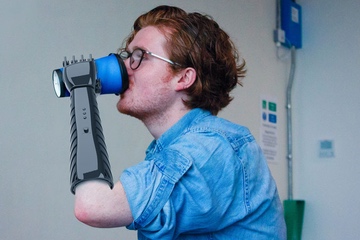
196,40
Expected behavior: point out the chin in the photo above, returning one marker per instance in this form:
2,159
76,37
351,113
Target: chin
120,107
123,108
120,103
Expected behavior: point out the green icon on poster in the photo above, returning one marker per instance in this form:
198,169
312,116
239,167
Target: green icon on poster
264,104
272,106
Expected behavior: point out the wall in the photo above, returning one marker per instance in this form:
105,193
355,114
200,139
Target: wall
326,106
35,200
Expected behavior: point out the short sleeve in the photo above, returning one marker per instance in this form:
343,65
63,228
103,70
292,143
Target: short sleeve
148,187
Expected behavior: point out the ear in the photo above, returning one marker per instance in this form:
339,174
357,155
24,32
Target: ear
186,79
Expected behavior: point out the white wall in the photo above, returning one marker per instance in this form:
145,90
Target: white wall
35,200
326,106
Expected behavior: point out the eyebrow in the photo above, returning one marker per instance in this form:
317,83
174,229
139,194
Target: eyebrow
137,47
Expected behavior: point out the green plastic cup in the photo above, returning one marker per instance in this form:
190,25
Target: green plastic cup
294,216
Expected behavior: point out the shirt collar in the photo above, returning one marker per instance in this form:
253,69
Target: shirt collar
177,129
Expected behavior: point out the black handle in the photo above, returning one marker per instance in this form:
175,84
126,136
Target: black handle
88,157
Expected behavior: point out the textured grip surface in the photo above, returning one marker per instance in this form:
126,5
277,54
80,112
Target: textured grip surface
89,158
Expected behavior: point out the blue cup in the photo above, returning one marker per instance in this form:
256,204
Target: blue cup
110,71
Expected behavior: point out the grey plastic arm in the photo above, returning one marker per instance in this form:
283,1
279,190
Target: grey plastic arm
89,158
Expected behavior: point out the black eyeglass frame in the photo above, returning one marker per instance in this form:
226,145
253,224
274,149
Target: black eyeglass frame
124,54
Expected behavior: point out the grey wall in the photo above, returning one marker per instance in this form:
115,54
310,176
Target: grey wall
35,200
326,106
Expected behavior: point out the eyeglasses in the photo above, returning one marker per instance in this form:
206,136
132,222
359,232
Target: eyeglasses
137,56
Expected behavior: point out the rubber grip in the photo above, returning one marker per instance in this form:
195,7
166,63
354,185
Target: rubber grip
89,157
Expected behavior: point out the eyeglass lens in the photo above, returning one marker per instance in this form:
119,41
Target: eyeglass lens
136,58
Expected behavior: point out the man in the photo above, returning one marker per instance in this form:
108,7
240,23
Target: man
203,177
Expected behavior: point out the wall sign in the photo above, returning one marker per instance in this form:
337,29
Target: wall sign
268,128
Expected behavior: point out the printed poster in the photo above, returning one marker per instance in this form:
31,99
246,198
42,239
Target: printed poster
268,128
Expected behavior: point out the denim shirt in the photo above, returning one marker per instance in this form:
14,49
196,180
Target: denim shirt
204,178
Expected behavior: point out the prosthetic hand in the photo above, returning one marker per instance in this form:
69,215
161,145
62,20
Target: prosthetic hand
89,158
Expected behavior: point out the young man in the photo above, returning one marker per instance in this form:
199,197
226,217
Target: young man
203,177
